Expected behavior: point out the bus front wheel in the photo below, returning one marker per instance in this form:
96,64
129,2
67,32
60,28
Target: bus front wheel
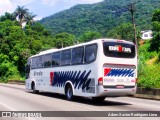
69,92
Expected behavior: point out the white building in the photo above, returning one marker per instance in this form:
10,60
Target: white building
146,35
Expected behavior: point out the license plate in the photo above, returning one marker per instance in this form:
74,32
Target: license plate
120,86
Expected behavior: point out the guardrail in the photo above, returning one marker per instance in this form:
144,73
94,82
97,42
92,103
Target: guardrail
16,82
152,93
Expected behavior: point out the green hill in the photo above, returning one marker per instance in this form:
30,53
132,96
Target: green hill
100,17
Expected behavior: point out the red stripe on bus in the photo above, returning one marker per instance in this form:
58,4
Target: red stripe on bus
106,71
51,77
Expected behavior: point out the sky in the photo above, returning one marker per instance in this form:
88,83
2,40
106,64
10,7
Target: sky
42,8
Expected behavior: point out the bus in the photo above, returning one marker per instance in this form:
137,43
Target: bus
97,69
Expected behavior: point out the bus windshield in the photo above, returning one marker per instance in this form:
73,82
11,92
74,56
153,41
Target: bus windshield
118,50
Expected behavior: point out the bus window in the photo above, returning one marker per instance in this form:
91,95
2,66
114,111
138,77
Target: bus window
77,55
66,57
47,62
56,59
90,53
34,63
119,50
40,62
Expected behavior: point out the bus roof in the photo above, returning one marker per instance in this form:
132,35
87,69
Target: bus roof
81,44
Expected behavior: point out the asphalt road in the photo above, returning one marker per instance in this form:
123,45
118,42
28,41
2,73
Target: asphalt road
16,98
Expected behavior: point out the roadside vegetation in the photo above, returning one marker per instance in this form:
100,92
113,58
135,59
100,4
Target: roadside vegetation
149,67
18,42
149,57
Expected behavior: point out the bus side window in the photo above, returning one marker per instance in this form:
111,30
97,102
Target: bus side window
66,57
90,53
56,59
40,62
47,61
77,55
34,63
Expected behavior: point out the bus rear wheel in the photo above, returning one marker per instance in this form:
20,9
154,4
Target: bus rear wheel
98,99
34,89
69,92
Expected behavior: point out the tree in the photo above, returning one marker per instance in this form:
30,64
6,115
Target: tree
155,43
88,36
64,39
124,31
156,15
21,13
30,18
7,16
17,44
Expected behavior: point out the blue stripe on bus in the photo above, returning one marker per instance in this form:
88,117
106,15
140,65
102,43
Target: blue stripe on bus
79,79
121,73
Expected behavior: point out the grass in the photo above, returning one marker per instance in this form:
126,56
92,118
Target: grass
149,67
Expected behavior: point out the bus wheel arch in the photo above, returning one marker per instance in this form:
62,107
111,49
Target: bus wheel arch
33,87
69,91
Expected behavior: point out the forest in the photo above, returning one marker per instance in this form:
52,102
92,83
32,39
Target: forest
18,42
101,17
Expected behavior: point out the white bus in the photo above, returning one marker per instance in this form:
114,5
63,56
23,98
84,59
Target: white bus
97,69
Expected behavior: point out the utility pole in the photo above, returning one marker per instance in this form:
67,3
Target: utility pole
131,8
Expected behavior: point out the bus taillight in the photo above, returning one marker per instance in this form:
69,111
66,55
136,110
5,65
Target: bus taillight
100,81
135,80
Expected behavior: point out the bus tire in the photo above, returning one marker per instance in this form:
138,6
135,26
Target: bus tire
69,92
98,99
34,88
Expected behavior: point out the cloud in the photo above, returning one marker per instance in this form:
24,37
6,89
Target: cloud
68,2
50,2
5,6
37,18
21,2
10,5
